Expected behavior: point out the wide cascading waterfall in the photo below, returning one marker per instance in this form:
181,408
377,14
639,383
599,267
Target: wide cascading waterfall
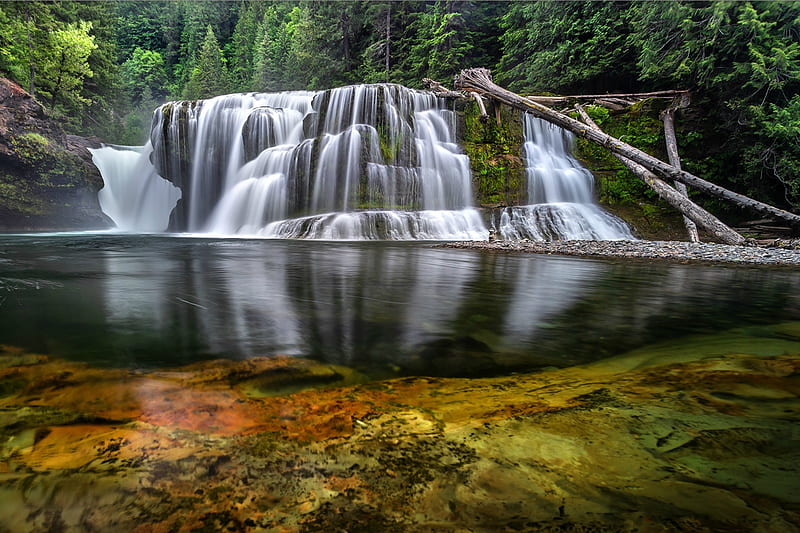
560,192
357,162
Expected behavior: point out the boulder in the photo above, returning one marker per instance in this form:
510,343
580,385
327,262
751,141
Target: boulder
47,178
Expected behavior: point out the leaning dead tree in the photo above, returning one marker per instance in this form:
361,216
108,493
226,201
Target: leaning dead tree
668,117
479,80
693,212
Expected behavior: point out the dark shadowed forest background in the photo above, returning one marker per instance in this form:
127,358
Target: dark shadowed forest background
100,68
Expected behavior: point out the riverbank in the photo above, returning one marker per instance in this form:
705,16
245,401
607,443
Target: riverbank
784,253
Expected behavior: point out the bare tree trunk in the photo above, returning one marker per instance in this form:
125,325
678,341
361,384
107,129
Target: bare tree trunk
616,100
388,38
484,115
31,65
479,79
668,117
682,203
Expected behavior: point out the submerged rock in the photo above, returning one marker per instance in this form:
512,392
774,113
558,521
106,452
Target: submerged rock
694,435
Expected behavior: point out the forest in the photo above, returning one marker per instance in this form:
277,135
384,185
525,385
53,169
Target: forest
100,68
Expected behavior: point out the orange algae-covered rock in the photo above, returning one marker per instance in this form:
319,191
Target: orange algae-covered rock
690,438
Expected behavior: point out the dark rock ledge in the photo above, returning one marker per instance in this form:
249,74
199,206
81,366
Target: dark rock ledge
47,178
781,252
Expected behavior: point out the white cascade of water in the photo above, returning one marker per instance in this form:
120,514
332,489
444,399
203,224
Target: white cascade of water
134,196
217,143
357,162
560,192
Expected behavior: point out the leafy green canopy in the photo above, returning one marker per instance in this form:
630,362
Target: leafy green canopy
53,54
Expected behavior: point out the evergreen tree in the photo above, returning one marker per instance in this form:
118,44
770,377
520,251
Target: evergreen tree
443,42
567,46
241,48
272,51
25,41
210,74
377,59
144,76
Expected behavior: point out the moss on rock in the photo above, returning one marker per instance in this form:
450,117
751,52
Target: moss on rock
494,147
48,180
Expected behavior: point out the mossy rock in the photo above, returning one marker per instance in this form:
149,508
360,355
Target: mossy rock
494,147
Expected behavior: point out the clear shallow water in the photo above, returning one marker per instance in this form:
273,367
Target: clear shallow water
145,301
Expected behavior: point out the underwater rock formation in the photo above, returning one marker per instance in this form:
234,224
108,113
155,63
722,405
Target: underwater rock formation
696,435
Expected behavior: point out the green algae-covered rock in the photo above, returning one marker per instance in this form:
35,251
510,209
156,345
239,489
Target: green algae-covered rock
494,147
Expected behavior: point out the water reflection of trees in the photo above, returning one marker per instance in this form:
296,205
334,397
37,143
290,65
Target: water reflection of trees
384,308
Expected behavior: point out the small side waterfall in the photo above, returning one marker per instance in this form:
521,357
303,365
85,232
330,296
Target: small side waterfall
560,192
134,196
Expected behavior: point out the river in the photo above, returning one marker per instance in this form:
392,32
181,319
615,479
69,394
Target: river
383,308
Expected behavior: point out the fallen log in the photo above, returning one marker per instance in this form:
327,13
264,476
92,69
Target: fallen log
610,104
617,100
681,202
479,80
439,89
668,117
654,94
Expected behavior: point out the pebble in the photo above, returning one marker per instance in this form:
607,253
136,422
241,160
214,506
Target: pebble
778,253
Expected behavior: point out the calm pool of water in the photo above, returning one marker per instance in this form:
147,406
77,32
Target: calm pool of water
142,301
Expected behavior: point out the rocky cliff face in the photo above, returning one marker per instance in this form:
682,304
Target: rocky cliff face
47,179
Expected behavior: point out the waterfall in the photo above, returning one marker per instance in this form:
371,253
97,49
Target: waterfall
560,192
133,195
358,162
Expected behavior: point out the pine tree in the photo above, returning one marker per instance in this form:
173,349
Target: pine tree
210,74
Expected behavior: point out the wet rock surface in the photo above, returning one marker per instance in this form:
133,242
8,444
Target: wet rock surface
696,435
778,252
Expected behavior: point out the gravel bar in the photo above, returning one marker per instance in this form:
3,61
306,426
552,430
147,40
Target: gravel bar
677,251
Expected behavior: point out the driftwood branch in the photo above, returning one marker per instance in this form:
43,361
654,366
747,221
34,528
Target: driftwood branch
484,115
611,101
479,80
668,117
681,202
440,90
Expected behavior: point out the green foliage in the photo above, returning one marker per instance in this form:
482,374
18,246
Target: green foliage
145,76
563,46
775,154
67,65
240,49
14,55
744,59
62,53
210,75
744,50
443,44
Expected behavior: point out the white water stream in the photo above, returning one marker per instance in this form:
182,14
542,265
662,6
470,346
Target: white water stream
560,192
360,162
